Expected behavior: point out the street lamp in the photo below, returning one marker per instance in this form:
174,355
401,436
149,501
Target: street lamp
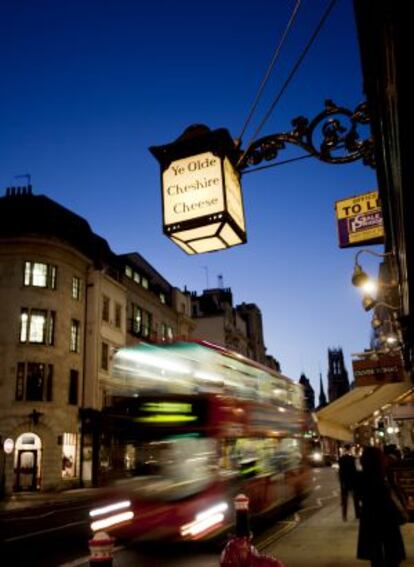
362,280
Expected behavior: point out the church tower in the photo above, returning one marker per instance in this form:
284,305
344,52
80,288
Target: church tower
338,383
322,397
308,391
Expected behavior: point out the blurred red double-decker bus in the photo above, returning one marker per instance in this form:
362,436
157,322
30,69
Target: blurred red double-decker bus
188,426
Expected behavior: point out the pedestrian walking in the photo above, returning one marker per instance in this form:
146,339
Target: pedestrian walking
348,482
379,535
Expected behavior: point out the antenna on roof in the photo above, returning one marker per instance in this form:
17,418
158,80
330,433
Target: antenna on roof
206,270
28,189
26,176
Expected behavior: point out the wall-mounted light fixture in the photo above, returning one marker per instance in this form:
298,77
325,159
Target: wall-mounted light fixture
370,287
369,303
362,280
376,322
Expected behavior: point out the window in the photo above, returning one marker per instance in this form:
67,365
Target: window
73,387
69,456
166,332
37,326
37,274
128,271
144,282
105,308
104,356
162,298
76,288
141,321
74,336
137,278
118,315
136,319
34,382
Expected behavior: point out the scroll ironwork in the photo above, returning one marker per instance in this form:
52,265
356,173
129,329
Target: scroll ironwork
326,137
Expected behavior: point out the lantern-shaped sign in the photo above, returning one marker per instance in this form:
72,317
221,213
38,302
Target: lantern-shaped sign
201,193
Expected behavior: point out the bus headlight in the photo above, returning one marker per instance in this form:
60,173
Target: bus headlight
317,457
114,514
205,520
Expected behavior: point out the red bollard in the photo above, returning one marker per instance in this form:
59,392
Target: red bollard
239,551
101,548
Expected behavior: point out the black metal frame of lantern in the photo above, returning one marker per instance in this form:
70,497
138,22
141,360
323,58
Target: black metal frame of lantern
325,138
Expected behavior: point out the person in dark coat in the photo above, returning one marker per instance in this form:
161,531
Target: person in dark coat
379,535
348,480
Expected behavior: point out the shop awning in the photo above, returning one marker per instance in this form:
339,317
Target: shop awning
338,419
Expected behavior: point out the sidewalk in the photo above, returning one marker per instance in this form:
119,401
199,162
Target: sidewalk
324,540
320,540
26,500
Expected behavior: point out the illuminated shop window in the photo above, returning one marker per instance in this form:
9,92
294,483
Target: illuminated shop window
69,453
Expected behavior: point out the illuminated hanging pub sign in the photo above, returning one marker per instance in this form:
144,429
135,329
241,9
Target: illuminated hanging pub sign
201,192
359,220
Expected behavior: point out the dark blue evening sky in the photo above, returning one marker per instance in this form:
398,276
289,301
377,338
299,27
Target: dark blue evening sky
88,85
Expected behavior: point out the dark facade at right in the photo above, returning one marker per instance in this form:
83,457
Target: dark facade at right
385,38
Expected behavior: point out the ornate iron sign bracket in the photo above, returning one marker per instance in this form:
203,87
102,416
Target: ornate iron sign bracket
325,137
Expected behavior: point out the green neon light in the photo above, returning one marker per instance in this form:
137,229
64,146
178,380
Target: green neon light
157,418
167,407
249,470
183,436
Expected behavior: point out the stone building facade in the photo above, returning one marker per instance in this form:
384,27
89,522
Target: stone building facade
238,328
68,302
